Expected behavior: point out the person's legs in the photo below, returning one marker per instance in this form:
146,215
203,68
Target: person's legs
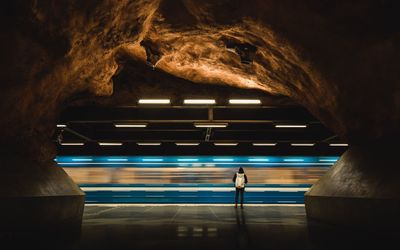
241,197
236,196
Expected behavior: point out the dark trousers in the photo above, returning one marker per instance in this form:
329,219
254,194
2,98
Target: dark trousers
241,191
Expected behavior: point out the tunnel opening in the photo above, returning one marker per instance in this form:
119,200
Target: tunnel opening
186,150
337,61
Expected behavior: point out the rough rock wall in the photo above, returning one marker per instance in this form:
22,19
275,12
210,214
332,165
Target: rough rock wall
53,50
137,80
337,58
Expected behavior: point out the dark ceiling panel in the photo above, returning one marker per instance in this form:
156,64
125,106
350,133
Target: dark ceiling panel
264,113
202,149
120,114
246,124
150,135
257,135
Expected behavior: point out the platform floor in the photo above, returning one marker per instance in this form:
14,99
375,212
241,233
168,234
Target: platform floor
215,227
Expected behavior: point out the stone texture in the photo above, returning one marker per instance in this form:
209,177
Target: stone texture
361,189
38,199
336,58
138,80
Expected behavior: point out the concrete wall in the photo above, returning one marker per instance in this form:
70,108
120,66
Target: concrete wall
362,189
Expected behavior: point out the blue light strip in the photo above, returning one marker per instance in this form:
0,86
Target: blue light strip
224,159
258,159
188,159
152,159
117,159
194,193
194,161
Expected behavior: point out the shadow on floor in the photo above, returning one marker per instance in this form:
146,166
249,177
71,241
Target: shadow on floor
39,238
326,236
194,227
199,227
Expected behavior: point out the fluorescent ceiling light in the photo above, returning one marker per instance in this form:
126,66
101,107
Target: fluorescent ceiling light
199,101
264,144
189,159
72,144
61,125
338,144
290,126
149,143
187,143
110,143
211,125
137,125
302,144
154,101
244,101
225,143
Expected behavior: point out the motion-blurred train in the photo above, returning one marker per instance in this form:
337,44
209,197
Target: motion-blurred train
193,179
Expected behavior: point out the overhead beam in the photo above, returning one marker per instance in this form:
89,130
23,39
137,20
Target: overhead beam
329,138
191,121
208,134
77,134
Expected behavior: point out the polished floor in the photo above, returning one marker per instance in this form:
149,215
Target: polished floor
215,227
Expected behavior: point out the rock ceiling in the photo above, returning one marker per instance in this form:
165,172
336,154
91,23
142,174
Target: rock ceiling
336,58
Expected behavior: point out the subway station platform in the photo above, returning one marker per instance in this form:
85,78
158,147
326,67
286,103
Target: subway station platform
217,227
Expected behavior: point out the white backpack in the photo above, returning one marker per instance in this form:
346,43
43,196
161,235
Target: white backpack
239,183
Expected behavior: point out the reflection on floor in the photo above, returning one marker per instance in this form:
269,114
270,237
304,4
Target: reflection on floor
213,227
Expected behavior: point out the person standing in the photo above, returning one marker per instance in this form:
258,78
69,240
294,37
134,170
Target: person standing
240,180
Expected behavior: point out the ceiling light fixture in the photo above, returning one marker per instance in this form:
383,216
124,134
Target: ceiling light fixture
137,125
225,143
244,101
338,144
290,126
187,143
72,144
210,125
149,143
110,143
199,101
154,101
61,126
302,144
264,144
